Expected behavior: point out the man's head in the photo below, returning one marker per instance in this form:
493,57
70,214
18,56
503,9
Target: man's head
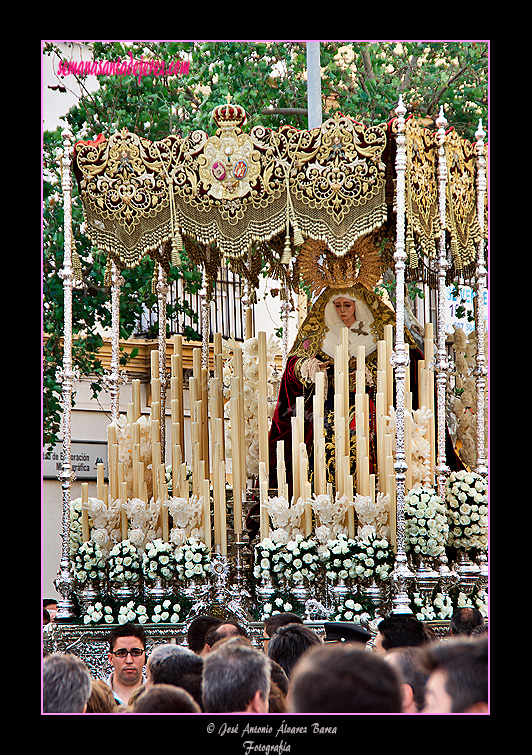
176,665
343,678
272,624
458,676
408,663
197,630
165,698
127,654
227,628
66,684
289,643
236,678
464,620
398,631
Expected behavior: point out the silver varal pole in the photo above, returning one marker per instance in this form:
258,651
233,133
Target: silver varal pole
114,377
480,365
162,297
400,360
442,363
64,582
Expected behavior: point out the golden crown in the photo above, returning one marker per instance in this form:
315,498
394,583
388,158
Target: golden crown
229,115
321,269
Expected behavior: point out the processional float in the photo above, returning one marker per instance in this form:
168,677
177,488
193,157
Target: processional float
265,198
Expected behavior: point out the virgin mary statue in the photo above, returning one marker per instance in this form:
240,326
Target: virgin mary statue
341,304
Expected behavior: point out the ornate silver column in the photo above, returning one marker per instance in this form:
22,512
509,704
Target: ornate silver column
205,321
114,377
441,364
162,296
64,582
400,361
480,368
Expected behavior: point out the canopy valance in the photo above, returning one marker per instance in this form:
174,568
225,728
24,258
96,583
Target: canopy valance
333,184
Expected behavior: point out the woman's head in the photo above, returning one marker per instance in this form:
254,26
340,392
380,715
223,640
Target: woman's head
345,309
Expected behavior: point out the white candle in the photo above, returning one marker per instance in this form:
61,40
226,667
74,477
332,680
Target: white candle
100,482
295,459
236,459
123,515
136,399
263,400
85,510
207,512
350,507
223,511
281,468
216,462
263,492
393,511
388,337
408,450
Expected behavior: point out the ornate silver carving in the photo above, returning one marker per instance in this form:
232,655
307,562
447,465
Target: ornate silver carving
65,576
480,285
441,362
401,574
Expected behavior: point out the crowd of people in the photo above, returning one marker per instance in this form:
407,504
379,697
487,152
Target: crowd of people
403,669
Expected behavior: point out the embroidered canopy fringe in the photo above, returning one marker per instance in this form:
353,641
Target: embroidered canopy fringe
237,191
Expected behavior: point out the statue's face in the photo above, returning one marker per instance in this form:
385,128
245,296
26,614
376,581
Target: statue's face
346,310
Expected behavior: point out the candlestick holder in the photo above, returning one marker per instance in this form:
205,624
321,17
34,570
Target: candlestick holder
468,573
89,592
426,579
447,577
401,578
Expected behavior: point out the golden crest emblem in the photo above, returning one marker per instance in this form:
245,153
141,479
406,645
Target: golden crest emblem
230,164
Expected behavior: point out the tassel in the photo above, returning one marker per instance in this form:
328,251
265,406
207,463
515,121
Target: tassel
287,254
76,265
298,236
108,270
155,279
177,247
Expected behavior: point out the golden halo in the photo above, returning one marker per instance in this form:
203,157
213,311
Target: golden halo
320,268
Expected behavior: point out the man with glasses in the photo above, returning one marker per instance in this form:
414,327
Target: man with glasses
127,656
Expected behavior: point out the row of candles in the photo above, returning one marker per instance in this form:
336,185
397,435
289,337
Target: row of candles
208,418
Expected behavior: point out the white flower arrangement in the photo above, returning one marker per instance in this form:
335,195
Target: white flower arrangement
426,527
467,499
293,561
99,613
89,562
192,560
124,562
186,516
477,600
440,608
106,523
330,516
350,610
285,519
169,611
374,514
304,560
340,558
280,603
143,520
266,563
158,560
375,558
76,527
